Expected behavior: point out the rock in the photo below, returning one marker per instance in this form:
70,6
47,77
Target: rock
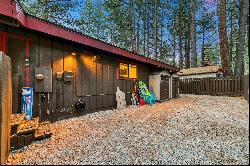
188,130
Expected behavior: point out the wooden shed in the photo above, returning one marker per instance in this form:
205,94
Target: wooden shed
74,66
201,72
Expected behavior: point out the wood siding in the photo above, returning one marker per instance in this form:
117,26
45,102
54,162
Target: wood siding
93,82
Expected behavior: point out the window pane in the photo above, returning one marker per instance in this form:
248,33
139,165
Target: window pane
123,70
132,71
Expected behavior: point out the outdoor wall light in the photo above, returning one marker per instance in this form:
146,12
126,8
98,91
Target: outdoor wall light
76,54
97,58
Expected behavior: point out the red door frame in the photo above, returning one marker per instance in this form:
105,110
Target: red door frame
3,46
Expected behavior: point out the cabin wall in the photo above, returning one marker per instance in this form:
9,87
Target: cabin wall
93,82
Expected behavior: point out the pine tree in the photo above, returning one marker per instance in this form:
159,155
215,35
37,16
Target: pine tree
87,18
53,11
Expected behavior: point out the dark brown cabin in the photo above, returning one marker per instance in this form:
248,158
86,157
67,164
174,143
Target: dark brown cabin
75,66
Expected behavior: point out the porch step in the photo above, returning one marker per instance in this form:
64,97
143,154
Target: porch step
43,130
28,126
24,132
17,119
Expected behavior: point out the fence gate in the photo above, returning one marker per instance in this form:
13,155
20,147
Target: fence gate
164,88
175,87
5,106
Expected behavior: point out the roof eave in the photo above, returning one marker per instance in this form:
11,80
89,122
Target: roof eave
15,11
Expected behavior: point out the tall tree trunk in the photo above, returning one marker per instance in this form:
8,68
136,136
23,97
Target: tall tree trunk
203,46
147,45
161,41
144,29
244,7
46,12
187,39
161,35
155,29
180,36
130,17
134,33
230,58
187,50
138,32
144,38
174,47
193,34
223,36
203,34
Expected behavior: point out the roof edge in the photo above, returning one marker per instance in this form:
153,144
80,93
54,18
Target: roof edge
14,9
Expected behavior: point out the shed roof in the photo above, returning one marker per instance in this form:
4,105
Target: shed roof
14,10
200,70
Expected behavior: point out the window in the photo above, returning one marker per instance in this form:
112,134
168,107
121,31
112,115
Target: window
132,71
123,70
127,70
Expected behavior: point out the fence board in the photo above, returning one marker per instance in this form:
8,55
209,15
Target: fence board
230,83
226,86
235,88
220,86
246,87
216,86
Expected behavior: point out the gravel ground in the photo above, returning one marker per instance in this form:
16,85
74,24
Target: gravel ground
188,130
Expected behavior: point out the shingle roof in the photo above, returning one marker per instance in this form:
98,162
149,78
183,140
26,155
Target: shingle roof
200,70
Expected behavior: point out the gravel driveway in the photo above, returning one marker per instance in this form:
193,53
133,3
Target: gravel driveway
188,130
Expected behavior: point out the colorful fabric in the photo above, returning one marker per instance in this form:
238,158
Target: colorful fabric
145,94
142,101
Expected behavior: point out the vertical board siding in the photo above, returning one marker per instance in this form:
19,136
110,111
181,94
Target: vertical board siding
45,60
15,97
34,53
85,74
16,51
69,65
57,100
228,86
94,83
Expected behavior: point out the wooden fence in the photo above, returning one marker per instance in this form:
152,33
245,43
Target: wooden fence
5,106
228,86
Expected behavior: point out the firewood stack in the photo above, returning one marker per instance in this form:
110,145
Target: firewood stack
24,132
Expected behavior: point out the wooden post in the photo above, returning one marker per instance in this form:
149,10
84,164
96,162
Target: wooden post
5,106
